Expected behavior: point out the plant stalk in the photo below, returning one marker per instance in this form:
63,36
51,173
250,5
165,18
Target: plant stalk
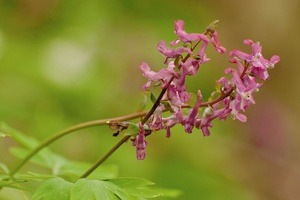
107,155
67,131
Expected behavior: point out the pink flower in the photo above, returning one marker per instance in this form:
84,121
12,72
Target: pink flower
189,121
235,94
186,37
235,110
191,66
209,114
173,97
154,76
140,143
202,53
225,84
258,64
216,43
156,118
180,87
171,53
169,122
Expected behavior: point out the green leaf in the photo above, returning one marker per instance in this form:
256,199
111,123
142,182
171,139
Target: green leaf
174,193
26,141
45,158
73,169
12,184
133,129
36,176
136,187
167,105
98,190
131,182
144,193
53,189
142,105
153,97
2,134
4,168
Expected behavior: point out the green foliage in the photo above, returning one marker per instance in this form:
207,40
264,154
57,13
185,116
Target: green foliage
4,168
97,189
153,98
114,189
11,184
136,187
142,105
62,182
53,189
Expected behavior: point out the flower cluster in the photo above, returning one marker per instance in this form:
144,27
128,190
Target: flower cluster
235,94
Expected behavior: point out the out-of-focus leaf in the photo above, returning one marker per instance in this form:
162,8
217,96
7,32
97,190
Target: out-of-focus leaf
26,141
138,187
153,97
45,158
53,188
131,182
4,168
142,105
36,176
62,167
12,184
166,192
98,190
167,105
2,134
74,169
144,193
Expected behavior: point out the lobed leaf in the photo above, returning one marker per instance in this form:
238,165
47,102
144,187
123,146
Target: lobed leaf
138,187
53,189
98,190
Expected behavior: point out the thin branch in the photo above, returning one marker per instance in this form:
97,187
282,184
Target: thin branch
107,155
67,131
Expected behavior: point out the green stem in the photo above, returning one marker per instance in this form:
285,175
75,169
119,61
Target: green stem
107,155
57,136
143,121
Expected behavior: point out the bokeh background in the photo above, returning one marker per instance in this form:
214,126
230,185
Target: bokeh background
67,62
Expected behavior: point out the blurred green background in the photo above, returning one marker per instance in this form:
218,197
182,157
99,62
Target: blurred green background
67,62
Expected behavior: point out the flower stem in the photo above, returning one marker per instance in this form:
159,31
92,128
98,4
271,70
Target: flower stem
67,131
107,155
124,139
156,104
220,98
